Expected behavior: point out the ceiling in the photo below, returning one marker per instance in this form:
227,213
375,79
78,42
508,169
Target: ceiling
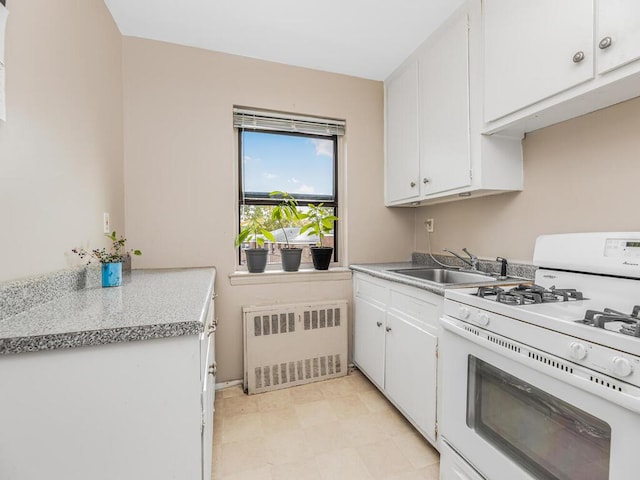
362,38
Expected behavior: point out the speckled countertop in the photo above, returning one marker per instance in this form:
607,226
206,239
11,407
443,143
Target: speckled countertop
149,304
382,270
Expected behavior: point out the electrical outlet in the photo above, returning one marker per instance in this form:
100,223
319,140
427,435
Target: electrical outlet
429,224
106,224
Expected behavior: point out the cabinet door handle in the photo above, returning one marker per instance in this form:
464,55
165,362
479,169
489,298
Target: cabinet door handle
426,180
413,184
578,57
388,329
213,369
379,324
605,43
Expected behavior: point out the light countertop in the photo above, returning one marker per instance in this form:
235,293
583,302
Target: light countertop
149,304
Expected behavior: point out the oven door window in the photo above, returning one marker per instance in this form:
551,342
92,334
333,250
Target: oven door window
544,435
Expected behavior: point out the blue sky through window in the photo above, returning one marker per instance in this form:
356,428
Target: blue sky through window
290,163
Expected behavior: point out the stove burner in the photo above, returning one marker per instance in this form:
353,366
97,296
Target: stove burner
610,319
484,291
529,294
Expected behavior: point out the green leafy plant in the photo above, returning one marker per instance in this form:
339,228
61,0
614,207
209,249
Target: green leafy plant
253,229
286,212
116,254
319,221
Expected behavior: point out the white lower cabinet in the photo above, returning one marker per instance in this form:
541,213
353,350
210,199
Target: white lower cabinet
395,345
127,411
369,340
208,392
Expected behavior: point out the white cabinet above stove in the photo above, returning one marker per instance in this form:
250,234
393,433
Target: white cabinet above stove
435,151
552,60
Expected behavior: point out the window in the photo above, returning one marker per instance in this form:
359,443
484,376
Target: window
297,155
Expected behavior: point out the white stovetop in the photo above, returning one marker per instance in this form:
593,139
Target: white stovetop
560,317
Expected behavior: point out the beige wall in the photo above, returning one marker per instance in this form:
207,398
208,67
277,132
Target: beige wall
181,162
580,175
61,147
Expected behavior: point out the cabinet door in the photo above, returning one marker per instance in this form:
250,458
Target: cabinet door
208,398
529,49
368,342
401,125
410,374
619,21
445,161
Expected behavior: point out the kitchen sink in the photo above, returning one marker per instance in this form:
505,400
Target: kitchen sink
445,276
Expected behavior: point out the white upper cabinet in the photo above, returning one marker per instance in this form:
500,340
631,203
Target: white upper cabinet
445,160
533,50
618,33
546,61
401,96
435,150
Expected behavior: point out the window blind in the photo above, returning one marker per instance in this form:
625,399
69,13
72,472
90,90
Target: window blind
275,121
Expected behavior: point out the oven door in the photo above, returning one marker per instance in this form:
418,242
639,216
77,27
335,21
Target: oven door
516,413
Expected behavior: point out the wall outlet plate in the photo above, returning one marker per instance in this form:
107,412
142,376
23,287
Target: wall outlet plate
429,224
106,224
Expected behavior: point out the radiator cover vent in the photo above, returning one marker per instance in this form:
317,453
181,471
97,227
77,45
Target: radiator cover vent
287,345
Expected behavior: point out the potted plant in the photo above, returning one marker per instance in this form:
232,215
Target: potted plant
319,222
286,213
111,261
253,230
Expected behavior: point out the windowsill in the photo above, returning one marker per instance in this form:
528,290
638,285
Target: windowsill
280,276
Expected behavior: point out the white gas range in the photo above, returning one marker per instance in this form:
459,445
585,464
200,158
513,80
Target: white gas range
543,382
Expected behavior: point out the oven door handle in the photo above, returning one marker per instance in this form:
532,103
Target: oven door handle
475,335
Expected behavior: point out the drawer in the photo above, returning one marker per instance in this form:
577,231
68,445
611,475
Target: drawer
369,289
421,307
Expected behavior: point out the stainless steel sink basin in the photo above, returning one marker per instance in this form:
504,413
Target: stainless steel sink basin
444,276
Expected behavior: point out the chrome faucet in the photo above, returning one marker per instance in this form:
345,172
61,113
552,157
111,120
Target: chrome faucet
472,262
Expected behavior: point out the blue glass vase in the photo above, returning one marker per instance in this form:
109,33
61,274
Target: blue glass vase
112,274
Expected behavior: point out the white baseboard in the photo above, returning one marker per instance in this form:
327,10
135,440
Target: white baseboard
230,383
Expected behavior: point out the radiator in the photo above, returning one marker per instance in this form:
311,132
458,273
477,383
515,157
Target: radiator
287,345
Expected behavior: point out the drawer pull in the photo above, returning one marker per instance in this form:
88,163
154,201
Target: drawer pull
578,57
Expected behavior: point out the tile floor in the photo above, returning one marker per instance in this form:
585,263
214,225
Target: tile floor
332,430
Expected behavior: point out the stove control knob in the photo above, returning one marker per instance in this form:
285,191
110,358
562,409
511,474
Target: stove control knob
620,367
483,318
577,351
464,313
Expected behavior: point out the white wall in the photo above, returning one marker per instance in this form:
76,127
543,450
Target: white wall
579,176
61,147
181,169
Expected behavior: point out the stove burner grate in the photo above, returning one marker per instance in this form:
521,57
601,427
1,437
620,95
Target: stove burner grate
529,294
610,319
